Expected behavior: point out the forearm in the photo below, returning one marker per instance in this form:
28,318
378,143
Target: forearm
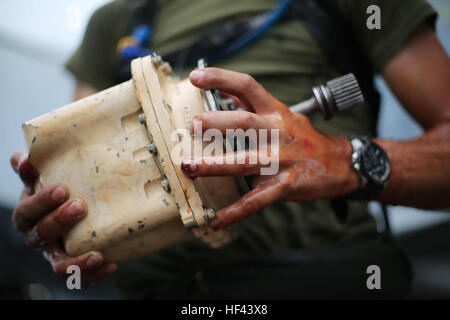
420,170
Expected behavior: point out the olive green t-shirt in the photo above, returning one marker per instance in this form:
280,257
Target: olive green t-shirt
288,62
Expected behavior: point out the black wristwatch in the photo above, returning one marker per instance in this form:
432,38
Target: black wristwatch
372,164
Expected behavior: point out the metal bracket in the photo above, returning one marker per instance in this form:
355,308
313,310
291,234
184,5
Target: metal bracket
154,152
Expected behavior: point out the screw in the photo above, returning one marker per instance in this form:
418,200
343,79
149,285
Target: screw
141,118
152,148
201,63
157,61
165,185
166,68
211,213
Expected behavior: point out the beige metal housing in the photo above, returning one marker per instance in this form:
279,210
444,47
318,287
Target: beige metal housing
113,149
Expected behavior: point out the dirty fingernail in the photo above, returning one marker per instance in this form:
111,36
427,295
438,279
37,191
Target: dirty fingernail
189,166
58,194
197,75
76,208
93,260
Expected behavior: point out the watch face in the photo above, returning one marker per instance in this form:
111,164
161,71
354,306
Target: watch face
375,164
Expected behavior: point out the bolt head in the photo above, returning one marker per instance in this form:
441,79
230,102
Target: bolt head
152,148
211,213
157,61
166,68
141,118
165,185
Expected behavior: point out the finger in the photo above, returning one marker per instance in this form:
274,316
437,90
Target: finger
223,120
20,163
240,163
60,261
100,273
36,206
26,192
16,158
236,101
252,202
57,223
241,85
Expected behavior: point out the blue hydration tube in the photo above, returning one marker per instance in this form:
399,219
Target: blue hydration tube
142,34
274,16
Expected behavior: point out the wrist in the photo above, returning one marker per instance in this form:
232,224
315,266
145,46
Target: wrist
349,178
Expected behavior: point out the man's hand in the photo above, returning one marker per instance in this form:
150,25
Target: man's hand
44,217
312,165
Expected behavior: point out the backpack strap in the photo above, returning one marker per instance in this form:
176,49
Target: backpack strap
323,18
228,38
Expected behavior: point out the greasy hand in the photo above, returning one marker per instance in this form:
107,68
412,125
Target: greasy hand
312,165
44,217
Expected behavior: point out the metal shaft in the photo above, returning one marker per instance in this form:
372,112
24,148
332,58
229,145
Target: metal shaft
306,107
333,97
